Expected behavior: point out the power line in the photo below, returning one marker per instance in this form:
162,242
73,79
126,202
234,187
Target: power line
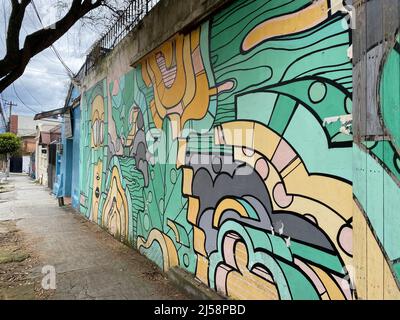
27,91
45,72
18,97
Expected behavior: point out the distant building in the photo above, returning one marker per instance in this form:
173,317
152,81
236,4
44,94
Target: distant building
62,155
25,128
47,138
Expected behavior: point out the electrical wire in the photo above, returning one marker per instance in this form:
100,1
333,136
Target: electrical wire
23,103
28,92
45,72
69,71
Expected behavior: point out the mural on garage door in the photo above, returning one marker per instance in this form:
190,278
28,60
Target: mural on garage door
377,179
227,152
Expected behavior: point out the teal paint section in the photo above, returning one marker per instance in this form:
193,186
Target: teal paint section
313,146
379,195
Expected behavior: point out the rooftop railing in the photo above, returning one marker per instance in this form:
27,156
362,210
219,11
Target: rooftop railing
132,15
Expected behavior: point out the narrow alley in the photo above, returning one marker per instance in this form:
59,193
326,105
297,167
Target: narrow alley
89,263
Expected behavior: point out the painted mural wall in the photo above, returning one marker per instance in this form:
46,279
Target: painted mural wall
228,152
376,158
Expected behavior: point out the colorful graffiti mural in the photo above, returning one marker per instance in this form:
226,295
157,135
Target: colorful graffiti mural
228,152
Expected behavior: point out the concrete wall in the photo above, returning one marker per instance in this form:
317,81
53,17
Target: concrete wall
25,125
227,150
376,149
26,161
41,161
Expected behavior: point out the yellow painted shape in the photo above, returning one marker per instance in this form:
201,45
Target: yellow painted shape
181,156
187,181
193,210
173,259
167,49
175,125
173,227
170,256
195,38
198,106
199,243
97,115
145,73
251,135
330,285
240,156
202,269
228,204
333,192
115,216
239,133
244,285
287,24
191,81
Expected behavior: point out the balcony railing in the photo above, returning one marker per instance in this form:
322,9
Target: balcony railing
132,15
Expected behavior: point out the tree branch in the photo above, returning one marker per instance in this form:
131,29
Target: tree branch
13,65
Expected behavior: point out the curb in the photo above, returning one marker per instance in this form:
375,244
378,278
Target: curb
191,286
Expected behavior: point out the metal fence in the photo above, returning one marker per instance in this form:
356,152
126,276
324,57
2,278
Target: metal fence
132,15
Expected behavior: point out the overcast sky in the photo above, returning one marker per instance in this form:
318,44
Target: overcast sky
45,82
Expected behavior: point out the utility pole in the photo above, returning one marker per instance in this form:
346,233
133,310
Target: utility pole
10,105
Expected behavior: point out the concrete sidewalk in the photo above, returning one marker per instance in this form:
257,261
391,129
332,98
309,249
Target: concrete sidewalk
89,263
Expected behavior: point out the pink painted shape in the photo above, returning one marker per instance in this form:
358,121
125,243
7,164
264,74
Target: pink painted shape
346,239
168,75
283,156
178,109
262,168
197,61
115,88
221,278
282,199
229,247
248,152
226,86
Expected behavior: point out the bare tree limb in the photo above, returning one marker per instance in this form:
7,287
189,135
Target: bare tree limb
14,63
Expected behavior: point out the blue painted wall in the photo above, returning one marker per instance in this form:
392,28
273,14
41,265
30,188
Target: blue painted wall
75,188
62,185
67,180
